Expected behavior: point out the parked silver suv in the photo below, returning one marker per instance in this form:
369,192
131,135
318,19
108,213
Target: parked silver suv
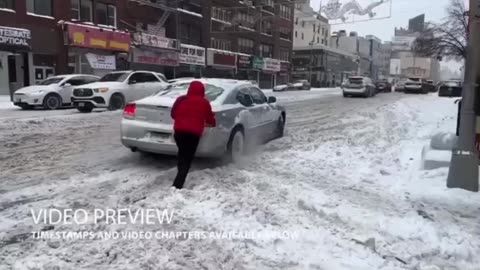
359,86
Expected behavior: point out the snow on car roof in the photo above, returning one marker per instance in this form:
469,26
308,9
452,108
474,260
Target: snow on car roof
223,83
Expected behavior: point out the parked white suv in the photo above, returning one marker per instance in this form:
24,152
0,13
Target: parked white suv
116,89
51,93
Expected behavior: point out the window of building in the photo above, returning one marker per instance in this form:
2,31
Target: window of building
8,4
106,14
267,27
326,32
40,7
270,3
318,40
303,23
266,50
246,19
221,14
303,36
246,45
323,31
221,44
82,10
286,12
284,55
314,28
296,21
296,34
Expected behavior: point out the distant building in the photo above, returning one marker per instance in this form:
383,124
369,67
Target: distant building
417,24
313,57
310,27
404,61
355,45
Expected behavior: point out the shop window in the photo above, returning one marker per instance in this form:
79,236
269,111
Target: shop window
106,14
40,7
8,4
82,10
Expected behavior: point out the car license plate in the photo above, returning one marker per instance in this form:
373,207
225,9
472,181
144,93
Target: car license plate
81,104
160,137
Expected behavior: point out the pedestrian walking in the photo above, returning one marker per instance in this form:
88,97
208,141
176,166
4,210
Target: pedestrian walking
191,113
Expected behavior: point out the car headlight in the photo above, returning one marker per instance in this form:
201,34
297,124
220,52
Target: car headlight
39,92
101,90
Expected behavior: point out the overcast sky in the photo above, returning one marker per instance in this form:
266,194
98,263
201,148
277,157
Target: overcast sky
401,12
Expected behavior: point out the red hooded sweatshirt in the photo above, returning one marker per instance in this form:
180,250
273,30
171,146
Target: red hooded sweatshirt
192,111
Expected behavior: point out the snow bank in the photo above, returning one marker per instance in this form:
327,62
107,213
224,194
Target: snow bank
6,104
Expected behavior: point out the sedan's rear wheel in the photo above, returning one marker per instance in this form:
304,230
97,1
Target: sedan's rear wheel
280,127
236,146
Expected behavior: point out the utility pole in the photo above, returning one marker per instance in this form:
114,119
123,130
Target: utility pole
463,171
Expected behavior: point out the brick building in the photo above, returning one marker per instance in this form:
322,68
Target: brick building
39,38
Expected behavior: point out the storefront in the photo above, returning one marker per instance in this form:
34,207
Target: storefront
220,64
244,70
155,53
192,61
282,77
269,72
96,50
15,56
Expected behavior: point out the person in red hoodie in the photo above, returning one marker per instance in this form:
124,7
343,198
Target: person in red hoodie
191,113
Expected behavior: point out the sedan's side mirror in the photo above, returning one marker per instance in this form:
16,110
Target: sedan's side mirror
272,99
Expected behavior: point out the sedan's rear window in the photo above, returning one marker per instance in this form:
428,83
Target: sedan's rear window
355,81
212,92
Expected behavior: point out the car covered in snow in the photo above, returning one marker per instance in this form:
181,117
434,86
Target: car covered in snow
116,89
400,85
296,85
359,86
244,116
416,85
51,93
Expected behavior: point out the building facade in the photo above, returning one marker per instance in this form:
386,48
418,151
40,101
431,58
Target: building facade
235,39
356,45
310,28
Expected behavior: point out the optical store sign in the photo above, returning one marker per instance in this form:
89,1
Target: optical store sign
15,37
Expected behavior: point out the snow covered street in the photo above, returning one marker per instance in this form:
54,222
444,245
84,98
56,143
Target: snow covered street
345,181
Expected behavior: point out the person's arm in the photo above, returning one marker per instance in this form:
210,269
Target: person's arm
175,105
210,116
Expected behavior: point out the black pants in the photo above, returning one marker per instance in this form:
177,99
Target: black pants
187,144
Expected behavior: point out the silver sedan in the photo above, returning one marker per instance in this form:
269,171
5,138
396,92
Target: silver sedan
245,116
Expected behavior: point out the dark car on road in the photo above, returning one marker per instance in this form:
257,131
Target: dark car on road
450,89
431,86
383,86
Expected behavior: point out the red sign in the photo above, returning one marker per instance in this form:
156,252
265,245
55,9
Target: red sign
98,38
162,58
224,59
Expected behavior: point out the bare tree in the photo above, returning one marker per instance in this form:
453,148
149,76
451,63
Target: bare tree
448,38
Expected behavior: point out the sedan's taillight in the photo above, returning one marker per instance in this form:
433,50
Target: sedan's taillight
129,111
